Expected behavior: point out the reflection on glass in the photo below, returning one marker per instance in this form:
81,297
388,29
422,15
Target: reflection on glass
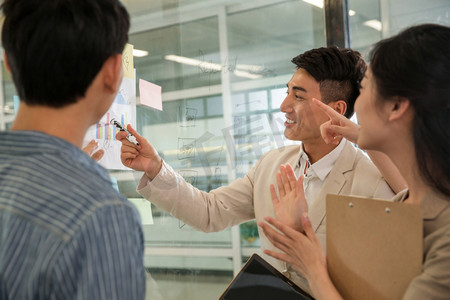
173,49
189,59
265,39
373,20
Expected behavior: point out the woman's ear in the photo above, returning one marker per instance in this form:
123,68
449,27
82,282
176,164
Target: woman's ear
398,108
340,106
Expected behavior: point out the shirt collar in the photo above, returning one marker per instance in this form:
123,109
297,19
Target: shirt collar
323,166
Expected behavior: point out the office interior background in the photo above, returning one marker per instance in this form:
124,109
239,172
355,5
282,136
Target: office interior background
223,66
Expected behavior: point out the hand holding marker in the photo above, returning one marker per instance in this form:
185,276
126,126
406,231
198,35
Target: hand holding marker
130,137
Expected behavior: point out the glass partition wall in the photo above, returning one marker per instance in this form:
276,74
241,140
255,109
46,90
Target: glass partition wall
223,67
372,20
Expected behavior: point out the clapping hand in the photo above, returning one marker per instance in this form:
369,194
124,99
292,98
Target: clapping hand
291,203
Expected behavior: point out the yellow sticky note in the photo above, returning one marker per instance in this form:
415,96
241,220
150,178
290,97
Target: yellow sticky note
127,61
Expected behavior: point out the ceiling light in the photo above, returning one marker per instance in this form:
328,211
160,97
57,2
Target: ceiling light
351,12
240,70
375,24
251,68
139,53
318,3
194,62
246,74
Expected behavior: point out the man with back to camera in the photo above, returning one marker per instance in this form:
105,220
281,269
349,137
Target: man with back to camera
329,74
65,232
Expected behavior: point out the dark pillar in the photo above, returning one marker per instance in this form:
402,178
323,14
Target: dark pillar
336,23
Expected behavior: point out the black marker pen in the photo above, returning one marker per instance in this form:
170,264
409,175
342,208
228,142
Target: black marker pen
130,137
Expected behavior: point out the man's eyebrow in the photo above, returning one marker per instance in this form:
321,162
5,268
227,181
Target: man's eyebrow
298,88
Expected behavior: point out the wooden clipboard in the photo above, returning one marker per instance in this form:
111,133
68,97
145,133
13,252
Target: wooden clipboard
374,247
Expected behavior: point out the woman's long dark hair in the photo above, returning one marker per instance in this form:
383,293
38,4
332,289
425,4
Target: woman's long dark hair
415,64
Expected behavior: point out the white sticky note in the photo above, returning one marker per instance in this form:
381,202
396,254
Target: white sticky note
150,94
145,210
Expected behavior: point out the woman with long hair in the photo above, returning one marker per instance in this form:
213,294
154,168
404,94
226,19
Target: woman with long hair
404,112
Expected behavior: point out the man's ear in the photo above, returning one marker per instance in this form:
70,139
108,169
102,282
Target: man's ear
5,59
340,106
112,73
398,108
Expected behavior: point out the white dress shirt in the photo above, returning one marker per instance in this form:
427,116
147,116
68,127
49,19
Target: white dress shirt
316,173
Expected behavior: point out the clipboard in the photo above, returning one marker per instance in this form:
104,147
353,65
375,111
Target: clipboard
260,280
374,247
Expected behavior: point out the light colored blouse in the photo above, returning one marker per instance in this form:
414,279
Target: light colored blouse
434,281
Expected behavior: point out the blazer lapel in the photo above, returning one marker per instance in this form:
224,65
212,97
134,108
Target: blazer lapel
333,184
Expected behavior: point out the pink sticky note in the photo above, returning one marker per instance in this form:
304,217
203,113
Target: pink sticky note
150,94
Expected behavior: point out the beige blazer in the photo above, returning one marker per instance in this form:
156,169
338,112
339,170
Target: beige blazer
249,197
434,281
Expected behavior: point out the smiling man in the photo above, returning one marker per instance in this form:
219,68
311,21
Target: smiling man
329,74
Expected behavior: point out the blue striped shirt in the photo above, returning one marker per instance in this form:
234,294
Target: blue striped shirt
65,233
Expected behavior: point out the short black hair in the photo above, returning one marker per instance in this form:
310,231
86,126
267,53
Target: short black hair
338,71
56,48
415,64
